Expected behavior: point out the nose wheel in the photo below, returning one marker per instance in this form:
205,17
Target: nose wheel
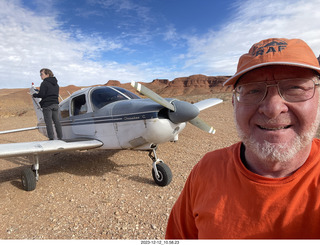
161,173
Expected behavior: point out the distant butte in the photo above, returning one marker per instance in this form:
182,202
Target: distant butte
192,85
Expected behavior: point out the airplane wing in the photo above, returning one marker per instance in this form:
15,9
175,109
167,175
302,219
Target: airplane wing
48,146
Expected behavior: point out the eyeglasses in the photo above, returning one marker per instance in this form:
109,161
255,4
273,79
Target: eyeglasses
291,90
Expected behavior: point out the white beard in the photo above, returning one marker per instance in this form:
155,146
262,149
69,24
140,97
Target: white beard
276,152
279,152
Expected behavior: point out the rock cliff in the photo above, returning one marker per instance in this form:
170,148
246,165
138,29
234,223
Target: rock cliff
192,85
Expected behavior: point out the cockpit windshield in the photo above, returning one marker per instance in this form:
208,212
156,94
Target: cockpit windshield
127,93
105,95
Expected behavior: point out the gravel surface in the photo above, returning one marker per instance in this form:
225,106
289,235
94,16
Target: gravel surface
100,194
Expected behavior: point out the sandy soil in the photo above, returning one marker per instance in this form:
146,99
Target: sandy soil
100,194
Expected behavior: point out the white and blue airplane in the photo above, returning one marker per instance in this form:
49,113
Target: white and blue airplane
107,117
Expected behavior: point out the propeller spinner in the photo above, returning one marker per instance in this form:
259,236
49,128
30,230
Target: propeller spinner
180,111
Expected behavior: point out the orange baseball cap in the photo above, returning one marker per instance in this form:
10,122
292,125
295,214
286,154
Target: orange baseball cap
275,51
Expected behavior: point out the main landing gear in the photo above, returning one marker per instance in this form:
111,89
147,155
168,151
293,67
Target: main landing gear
161,173
30,176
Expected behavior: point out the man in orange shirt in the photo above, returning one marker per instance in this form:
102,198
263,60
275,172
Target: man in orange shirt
267,185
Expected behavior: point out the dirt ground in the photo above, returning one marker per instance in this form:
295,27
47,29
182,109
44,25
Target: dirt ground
100,194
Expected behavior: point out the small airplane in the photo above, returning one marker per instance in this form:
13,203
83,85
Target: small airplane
108,117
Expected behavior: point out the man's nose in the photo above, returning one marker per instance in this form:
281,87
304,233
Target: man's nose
273,104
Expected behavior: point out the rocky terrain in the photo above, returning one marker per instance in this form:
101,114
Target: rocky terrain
104,194
192,85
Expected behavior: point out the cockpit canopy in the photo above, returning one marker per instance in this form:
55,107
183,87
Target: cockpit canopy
105,95
99,97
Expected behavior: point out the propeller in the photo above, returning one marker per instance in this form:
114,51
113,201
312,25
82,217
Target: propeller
181,111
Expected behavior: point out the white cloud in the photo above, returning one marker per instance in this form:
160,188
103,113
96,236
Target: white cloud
29,42
218,52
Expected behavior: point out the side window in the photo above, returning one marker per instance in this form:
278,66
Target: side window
64,110
79,105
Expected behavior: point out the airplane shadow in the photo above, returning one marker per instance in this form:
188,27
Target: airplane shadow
83,163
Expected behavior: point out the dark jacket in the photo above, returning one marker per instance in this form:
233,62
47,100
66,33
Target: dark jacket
49,92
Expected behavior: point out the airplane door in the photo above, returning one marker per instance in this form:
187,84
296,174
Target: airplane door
82,121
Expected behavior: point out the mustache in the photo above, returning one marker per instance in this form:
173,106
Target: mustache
274,124
274,121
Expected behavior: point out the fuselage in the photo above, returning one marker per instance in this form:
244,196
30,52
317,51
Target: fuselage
116,117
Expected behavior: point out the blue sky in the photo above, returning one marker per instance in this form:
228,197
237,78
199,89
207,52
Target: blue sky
88,42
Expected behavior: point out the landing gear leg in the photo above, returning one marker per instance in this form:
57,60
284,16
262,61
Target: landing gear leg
161,173
35,167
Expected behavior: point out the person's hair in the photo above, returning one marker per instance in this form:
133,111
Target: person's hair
47,72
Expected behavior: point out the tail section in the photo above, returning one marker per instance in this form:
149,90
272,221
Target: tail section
36,104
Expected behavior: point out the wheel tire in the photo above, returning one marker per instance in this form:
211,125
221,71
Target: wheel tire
28,179
165,174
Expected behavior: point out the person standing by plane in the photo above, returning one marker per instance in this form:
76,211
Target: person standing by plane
49,94
267,186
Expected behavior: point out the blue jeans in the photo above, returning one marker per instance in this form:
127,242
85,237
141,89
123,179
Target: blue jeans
50,115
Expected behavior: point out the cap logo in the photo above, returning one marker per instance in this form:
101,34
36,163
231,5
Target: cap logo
273,46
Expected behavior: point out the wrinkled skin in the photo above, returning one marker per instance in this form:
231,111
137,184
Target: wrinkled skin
277,134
